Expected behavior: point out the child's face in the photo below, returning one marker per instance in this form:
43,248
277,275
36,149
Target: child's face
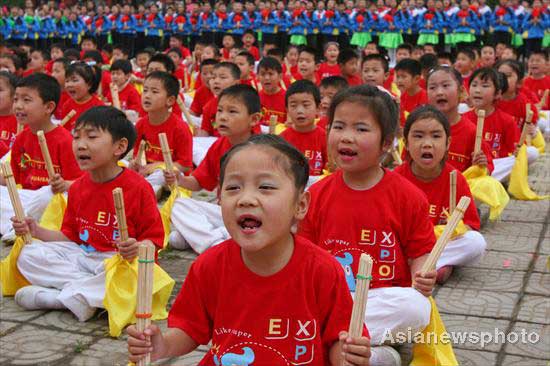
331,54
77,88
463,64
351,67
29,108
233,53
94,149
37,61
428,48
248,40
270,80
175,58
233,119
488,56
373,73
259,201
402,54
6,97
327,93
118,55
512,78
119,77
154,97
207,73
88,45
482,93
228,42
302,110
427,144
499,49
142,60
508,54
155,66
174,42
443,92
417,53
536,64
292,56
354,138
444,61
56,53
405,80
370,49
58,72
221,80
6,64
208,53
306,64
243,65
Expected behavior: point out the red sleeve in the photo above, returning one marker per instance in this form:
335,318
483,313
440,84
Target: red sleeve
69,228
139,136
306,227
3,149
196,106
205,173
509,137
419,237
16,158
151,228
487,151
134,100
208,116
183,153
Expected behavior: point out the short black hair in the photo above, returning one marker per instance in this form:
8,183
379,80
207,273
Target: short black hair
488,73
123,65
233,69
148,51
63,61
45,54
381,105
90,74
88,38
11,79
248,56
468,52
270,63
61,46
17,61
275,52
377,57
169,81
72,54
449,70
309,50
164,60
425,112
428,61
47,86
175,50
249,31
209,62
94,55
446,55
246,94
410,66
540,52
514,65
405,46
125,50
109,119
346,55
306,87
337,82
294,162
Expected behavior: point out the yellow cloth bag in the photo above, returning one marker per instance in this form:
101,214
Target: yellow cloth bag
519,186
166,210
460,229
121,291
539,142
431,352
487,190
10,277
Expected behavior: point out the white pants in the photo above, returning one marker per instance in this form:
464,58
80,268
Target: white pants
200,148
464,250
544,121
34,203
393,310
156,179
65,266
503,166
200,223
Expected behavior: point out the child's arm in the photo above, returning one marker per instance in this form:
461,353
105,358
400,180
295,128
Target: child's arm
175,342
351,351
188,182
423,283
29,225
60,185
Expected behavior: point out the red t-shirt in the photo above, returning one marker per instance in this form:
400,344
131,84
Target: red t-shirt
178,135
202,96
3,148
251,81
517,108
63,98
410,102
389,81
208,171
8,130
209,117
273,104
437,192
90,215
105,82
539,86
79,109
223,301
389,222
253,50
312,144
354,80
325,70
463,139
323,122
128,96
28,164
500,132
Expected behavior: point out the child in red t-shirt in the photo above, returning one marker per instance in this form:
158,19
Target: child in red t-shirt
262,197
538,81
348,60
407,77
8,123
203,94
427,141
199,222
81,83
248,44
160,91
69,272
59,72
121,72
363,208
375,72
465,64
38,61
308,65
330,67
302,103
245,61
328,89
272,96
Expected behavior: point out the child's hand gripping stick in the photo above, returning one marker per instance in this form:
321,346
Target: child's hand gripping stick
115,96
167,156
118,197
7,173
524,131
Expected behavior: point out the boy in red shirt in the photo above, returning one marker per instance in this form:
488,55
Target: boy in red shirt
262,187
248,44
308,64
160,91
38,61
203,94
302,102
59,71
272,96
68,272
121,72
407,78
8,123
329,88
245,61
465,64
538,81
349,66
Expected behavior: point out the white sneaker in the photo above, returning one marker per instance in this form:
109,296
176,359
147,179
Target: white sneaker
384,356
177,241
38,297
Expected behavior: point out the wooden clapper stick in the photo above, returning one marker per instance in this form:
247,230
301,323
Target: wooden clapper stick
452,192
528,119
443,240
543,100
140,156
7,173
68,117
361,292
479,130
115,96
272,124
45,153
167,156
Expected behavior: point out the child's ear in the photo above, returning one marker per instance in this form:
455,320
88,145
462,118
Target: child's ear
120,147
50,107
386,76
170,101
255,119
302,205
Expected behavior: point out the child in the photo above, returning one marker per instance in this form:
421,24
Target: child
374,69
121,72
262,195
407,78
272,96
142,59
8,122
81,82
308,65
59,71
120,52
348,60
389,219
465,64
199,223
538,81
160,91
38,62
225,74
67,272
445,88
290,65
329,88
427,134
331,66
302,102
248,44
488,56
203,94
245,62
228,43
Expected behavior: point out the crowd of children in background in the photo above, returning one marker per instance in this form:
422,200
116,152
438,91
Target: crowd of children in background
224,80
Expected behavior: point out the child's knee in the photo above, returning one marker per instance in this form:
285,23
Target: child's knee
477,242
532,154
30,256
417,310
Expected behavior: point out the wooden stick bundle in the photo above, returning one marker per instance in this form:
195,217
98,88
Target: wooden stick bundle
115,96
146,264
185,78
118,197
443,240
361,292
68,117
167,156
46,153
272,124
7,173
479,130
528,119
452,192
141,152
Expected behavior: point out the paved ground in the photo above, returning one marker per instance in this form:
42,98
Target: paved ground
509,290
